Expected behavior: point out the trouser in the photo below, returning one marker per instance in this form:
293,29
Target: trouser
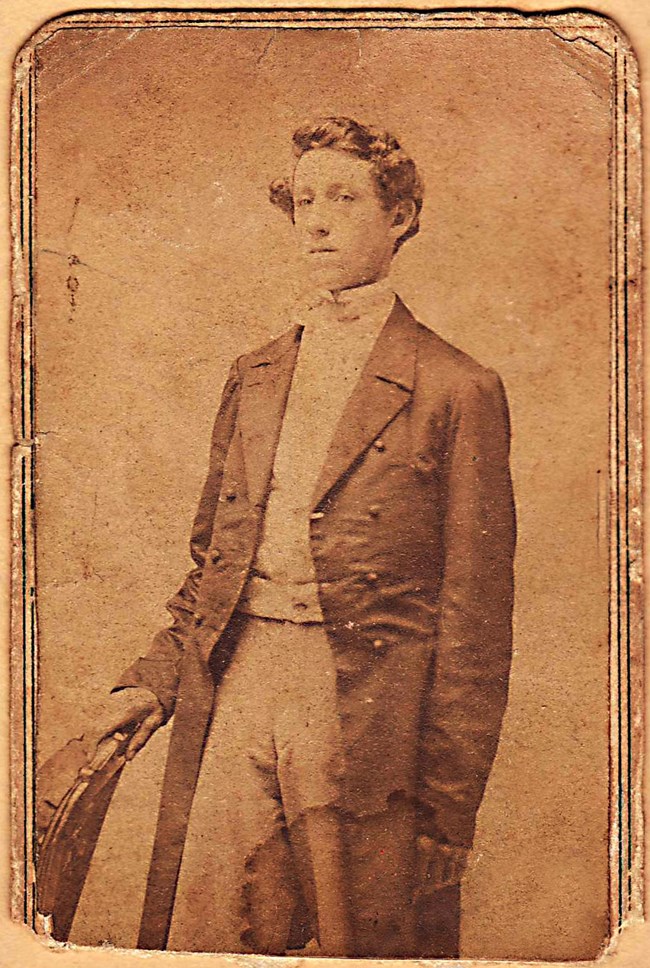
270,863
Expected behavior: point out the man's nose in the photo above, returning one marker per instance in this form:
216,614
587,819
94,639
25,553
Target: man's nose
318,223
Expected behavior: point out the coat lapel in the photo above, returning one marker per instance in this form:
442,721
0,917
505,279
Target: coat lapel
265,388
384,388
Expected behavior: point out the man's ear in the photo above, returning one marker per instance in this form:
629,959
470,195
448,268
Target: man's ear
405,213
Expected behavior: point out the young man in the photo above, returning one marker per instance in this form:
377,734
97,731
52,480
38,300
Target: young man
338,664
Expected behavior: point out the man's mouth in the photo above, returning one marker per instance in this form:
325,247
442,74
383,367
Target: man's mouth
322,250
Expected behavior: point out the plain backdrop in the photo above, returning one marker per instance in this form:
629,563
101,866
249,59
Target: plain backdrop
160,259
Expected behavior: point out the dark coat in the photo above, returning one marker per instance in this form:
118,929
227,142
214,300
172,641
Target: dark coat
412,535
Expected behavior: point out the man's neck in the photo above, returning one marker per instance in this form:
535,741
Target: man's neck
372,302
353,292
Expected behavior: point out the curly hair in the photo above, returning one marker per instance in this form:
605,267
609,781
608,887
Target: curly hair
395,174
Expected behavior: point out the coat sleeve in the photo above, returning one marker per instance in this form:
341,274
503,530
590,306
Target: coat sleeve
157,671
468,687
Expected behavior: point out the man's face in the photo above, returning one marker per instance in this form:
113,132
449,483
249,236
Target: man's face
345,235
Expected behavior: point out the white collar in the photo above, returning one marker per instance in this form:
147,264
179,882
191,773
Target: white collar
373,302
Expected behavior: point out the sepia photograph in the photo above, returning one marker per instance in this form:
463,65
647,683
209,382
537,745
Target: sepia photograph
326,582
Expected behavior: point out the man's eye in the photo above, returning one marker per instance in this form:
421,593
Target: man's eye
304,201
345,197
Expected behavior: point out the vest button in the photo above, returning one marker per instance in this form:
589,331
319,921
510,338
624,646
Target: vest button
373,576
374,510
316,515
231,495
199,618
378,644
379,444
215,555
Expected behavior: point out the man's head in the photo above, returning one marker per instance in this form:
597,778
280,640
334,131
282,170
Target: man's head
354,198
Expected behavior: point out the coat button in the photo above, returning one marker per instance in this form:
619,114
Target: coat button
373,576
215,555
379,444
316,515
378,643
199,618
231,495
374,510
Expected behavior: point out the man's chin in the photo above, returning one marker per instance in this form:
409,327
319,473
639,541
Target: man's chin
333,282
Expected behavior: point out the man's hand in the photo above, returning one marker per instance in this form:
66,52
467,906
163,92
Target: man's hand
438,865
129,710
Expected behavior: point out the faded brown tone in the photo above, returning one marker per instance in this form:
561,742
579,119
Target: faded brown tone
557,429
